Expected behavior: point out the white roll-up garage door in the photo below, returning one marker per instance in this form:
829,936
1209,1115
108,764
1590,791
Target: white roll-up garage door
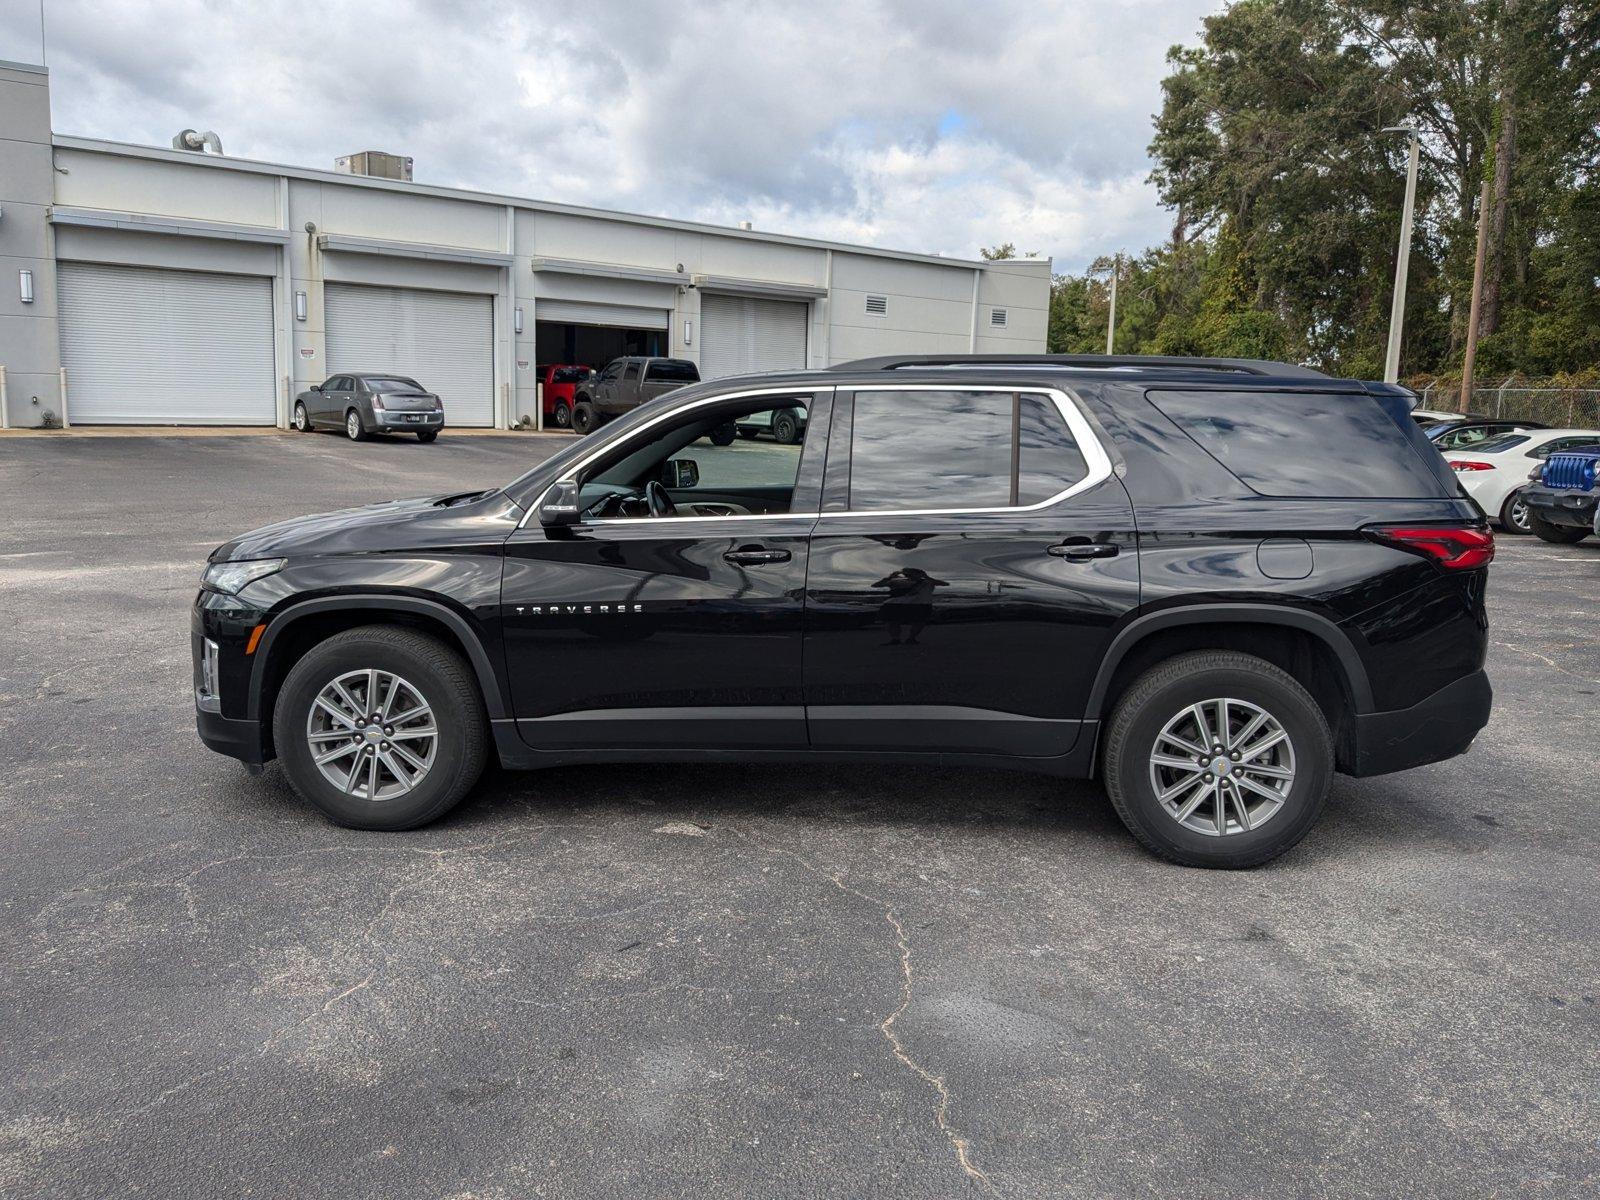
741,334
443,340
147,346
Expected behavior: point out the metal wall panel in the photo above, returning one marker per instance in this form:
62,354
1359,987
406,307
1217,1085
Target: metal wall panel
148,346
443,340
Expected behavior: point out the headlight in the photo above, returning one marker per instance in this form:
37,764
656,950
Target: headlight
229,577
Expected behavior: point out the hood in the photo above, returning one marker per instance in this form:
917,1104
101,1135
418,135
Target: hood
375,528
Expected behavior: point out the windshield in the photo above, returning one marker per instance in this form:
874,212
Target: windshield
1500,442
393,383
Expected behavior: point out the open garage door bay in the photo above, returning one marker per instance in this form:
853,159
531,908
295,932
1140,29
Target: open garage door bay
742,334
150,346
443,340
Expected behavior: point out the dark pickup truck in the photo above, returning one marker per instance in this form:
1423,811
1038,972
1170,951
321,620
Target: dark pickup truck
623,385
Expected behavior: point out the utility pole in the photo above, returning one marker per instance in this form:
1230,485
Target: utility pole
1111,321
1471,359
1397,308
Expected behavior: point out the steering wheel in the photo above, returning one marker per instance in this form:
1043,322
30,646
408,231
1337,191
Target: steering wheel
661,504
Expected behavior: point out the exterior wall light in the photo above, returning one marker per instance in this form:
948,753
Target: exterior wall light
518,321
299,306
688,333
25,285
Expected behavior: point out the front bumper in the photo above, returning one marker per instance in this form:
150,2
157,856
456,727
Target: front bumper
1562,506
1440,727
239,739
409,420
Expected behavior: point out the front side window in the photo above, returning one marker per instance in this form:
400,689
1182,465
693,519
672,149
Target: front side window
918,450
611,372
708,464
631,374
337,383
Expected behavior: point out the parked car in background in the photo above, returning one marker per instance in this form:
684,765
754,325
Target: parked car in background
786,426
1563,501
1495,473
559,382
1427,418
370,402
1198,579
624,384
1464,434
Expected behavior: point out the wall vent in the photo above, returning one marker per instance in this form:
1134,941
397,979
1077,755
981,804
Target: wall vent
877,306
997,316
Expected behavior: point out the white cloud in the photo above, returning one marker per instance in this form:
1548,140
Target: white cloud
922,124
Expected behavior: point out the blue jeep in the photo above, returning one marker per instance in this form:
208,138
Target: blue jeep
1562,497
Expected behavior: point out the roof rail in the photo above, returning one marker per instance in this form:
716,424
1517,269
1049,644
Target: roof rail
1238,366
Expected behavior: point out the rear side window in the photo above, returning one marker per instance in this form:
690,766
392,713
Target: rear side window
1303,444
671,370
958,450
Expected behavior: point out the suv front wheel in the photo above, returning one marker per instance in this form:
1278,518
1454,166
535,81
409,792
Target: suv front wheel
1218,759
381,728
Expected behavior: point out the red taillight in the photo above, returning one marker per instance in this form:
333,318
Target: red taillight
1457,547
1461,464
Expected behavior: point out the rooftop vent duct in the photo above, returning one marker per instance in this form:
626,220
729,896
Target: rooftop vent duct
376,164
200,143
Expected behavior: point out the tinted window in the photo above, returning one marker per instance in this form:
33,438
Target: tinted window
612,370
392,383
1501,442
568,375
675,371
337,383
631,374
912,450
1293,444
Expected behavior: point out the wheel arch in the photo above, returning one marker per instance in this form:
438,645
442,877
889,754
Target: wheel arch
301,626
1293,639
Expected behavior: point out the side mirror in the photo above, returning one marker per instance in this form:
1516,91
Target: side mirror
316,387
680,473
560,506
593,374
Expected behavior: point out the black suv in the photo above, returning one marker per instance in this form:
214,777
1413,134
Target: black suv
1213,583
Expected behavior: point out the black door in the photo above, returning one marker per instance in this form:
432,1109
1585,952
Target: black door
633,631
973,554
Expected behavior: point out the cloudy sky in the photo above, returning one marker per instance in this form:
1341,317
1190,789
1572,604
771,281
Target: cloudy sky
933,125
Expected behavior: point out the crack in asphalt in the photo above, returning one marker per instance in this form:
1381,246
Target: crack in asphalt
941,1113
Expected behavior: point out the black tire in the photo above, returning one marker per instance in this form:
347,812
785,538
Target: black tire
302,419
786,428
562,417
427,435
353,428
439,675
1514,514
1163,692
723,435
584,419
1561,535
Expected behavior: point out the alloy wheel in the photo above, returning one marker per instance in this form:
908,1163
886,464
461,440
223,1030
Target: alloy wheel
372,735
1519,514
1222,767
352,426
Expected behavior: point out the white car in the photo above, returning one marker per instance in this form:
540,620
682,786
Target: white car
1495,472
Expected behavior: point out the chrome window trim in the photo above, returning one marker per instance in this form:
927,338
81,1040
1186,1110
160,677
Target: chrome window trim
1094,454
570,475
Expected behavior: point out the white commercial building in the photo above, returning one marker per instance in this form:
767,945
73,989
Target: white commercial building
173,286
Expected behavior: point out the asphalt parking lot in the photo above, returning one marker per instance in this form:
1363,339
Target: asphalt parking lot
690,981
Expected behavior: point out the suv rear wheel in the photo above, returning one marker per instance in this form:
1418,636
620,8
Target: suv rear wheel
1218,759
381,728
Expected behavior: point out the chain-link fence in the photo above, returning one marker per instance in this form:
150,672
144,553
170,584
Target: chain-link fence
1562,408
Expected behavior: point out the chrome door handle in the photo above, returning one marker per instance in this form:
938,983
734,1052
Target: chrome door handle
751,555
1083,551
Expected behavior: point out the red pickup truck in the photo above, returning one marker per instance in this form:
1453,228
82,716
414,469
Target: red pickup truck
559,381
